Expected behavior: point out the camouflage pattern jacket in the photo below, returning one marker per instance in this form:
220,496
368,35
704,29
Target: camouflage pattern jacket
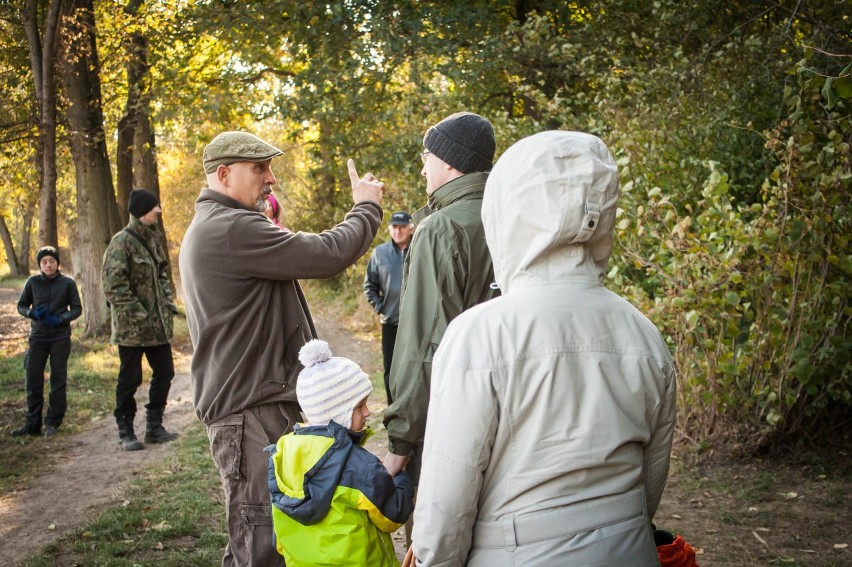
135,280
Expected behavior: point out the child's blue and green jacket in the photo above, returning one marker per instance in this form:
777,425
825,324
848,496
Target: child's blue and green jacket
333,502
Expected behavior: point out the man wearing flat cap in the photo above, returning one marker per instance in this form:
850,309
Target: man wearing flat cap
448,270
383,284
248,318
138,288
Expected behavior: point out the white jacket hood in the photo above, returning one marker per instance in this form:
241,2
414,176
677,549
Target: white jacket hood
549,209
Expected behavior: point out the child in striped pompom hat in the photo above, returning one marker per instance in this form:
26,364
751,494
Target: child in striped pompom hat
322,480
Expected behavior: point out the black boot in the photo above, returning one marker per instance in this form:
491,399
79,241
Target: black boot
126,437
27,429
154,430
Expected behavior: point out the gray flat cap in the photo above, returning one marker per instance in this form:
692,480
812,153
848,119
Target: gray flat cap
232,147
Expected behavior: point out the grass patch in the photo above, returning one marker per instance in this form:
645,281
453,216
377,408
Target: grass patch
92,371
171,516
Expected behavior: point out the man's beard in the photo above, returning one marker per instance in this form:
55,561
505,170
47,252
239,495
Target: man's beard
262,204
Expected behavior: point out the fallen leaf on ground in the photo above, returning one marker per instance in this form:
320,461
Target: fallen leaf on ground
758,538
841,545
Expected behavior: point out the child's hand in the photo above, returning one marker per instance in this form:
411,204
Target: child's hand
39,312
52,320
410,560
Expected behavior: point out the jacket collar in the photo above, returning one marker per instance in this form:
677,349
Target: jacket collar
208,194
470,186
140,229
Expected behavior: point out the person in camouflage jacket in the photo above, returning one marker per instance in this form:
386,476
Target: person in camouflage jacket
137,286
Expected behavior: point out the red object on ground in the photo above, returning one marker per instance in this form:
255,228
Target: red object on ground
677,554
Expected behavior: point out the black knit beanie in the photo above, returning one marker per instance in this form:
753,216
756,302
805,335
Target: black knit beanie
141,202
47,251
464,140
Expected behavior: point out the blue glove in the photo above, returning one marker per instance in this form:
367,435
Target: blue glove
52,320
39,312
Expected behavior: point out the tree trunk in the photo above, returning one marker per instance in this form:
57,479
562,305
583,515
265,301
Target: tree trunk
15,268
137,72
145,172
325,190
97,212
137,160
42,49
23,258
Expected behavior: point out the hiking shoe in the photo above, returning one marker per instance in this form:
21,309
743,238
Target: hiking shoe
50,431
25,430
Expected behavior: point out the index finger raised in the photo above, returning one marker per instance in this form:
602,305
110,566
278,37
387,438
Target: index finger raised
353,173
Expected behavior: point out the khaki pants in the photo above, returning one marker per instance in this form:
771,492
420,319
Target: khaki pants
236,444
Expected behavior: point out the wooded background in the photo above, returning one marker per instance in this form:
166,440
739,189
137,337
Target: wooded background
730,122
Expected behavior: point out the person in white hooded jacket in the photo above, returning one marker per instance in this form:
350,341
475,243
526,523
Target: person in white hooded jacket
552,408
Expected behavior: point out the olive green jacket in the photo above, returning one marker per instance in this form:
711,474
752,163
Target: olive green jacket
136,283
447,271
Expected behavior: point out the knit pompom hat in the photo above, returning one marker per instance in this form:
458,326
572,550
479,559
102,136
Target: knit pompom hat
329,388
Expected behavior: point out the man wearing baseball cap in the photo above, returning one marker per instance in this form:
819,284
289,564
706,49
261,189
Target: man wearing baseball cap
248,318
383,284
448,270
138,288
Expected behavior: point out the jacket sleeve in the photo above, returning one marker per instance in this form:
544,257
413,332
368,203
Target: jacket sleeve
657,454
459,439
259,249
25,301
166,283
387,500
372,283
75,308
433,297
116,283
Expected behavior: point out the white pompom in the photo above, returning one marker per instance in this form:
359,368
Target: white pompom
313,352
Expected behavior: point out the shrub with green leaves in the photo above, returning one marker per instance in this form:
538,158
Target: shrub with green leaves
754,297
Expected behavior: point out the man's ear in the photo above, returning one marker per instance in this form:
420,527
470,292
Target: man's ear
222,174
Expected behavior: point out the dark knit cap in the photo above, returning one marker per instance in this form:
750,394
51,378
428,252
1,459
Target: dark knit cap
464,140
47,251
141,202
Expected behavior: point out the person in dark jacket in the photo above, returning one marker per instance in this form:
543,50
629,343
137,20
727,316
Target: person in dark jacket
137,285
383,284
52,301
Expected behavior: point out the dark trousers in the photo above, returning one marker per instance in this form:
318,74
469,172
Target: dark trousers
388,342
130,377
35,362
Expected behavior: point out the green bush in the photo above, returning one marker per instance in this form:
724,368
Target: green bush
753,297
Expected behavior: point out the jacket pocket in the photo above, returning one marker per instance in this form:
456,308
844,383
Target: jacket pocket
226,445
